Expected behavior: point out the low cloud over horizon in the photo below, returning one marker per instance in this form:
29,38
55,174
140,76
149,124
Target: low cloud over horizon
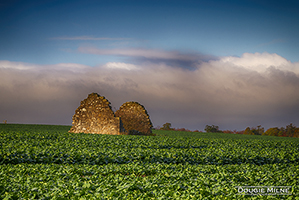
231,92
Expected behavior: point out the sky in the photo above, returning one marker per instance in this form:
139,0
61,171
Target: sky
231,63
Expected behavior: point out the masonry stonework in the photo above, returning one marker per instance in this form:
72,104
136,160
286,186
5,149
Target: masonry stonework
95,115
135,118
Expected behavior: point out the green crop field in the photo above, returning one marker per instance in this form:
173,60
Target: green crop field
47,162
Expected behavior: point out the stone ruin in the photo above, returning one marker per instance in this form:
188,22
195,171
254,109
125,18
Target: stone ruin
94,115
135,118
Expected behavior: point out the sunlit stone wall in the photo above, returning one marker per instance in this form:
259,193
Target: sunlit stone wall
95,115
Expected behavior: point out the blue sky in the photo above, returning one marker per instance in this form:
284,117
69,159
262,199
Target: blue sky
218,28
245,50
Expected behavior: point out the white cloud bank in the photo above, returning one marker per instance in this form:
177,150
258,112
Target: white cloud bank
232,92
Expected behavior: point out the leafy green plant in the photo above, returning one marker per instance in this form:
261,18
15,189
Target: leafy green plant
47,162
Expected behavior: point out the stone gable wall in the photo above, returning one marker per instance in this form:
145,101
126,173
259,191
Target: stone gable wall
95,115
135,118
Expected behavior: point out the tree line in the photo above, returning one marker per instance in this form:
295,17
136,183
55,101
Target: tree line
288,131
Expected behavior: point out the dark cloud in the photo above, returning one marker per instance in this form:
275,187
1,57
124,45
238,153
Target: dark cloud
87,38
230,92
141,55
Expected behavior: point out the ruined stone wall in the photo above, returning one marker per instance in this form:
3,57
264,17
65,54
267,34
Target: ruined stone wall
95,115
135,118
